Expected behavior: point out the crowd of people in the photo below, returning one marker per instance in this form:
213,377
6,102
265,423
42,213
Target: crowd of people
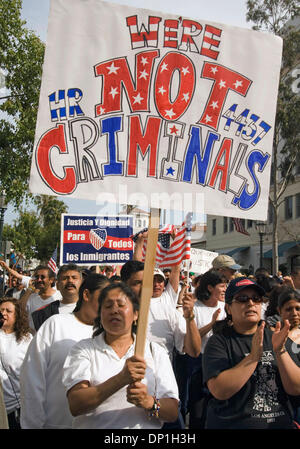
222,349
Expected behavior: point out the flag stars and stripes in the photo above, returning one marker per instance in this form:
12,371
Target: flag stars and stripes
52,262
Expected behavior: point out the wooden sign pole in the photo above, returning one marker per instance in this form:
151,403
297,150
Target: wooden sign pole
147,285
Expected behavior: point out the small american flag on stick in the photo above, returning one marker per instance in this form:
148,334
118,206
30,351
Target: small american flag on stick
52,262
167,253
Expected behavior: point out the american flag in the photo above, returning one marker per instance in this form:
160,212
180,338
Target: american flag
52,262
239,227
180,248
163,242
167,253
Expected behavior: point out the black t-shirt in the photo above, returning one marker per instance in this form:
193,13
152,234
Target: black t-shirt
294,351
262,402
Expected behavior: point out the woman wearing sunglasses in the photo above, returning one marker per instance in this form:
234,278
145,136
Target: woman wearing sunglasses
247,368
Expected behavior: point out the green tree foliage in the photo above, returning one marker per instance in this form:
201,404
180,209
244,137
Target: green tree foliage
21,58
50,210
36,234
24,234
281,17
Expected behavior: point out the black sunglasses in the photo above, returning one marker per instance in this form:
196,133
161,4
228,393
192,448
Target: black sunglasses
244,298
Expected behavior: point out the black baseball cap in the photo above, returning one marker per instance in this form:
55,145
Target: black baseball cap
238,284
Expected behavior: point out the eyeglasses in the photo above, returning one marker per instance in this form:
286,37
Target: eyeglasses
244,298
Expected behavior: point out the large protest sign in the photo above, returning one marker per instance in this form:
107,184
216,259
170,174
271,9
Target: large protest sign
139,105
96,240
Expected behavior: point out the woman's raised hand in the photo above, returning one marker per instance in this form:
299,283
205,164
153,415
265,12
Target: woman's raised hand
258,341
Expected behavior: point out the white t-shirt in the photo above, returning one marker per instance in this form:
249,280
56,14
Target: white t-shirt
165,325
95,361
66,308
169,296
26,280
43,401
12,354
35,302
203,316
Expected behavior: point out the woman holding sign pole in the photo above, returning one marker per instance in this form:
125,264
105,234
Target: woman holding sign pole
110,387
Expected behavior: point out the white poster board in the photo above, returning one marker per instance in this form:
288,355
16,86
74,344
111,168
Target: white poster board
201,260
142,107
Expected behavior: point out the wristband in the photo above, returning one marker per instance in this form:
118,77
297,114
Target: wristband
190,318
154,411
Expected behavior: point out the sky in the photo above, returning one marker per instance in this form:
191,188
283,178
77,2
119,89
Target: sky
230,12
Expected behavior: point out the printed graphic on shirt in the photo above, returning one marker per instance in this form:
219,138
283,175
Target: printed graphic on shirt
266,400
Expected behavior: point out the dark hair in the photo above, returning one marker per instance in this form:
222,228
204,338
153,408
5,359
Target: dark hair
130,267
261,271
286,296
51,273
98,329
212,278
273,300
91,283
21,326
115,278
266,282
69,267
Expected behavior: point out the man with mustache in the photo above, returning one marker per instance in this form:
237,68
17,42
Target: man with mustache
44,283
69,279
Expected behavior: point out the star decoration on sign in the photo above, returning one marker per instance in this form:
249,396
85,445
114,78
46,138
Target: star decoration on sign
208,119
144,74
113,92
186,97
174,130
161,90
214,105
170,171
185,70
222,84
112,69
214,70
164,67
144,60
137,98
102,110
238,84
169,112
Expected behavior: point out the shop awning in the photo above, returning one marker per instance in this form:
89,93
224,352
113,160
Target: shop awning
281,249
237,250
